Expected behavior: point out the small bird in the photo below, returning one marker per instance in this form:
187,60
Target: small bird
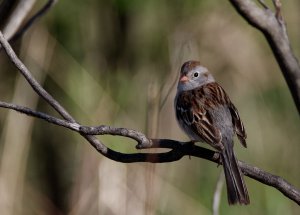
206,114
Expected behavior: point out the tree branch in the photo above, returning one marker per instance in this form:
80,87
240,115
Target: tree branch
272,180
19,15
44,94
32,20
273,27
30,79
178,150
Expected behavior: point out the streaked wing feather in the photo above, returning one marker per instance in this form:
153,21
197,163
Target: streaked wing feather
197,118
206,130
236,121
238,125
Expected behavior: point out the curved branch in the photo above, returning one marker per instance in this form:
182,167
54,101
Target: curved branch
44,94
272,26
31,80
178,150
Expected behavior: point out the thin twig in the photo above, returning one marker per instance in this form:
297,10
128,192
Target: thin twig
272,26
19,33
272,180
31,80
41,115
100,147
32,20
16,16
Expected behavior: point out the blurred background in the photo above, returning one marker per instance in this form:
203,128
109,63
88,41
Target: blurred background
115,62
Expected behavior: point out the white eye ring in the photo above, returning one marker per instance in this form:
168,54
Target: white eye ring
196,74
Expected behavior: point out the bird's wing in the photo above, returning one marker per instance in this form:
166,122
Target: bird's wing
191,110
238,125
219,96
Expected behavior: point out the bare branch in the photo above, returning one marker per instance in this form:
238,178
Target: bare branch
32,20
272,180
143,141
44,94
178,150
272,26
30,79
14,20
11,31
40,115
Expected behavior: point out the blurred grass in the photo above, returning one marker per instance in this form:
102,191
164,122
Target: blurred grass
109,63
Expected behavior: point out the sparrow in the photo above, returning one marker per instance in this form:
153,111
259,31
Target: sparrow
206,114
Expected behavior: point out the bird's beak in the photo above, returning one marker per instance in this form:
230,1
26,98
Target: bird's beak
184,79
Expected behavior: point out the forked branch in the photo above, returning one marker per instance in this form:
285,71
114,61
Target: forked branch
272,25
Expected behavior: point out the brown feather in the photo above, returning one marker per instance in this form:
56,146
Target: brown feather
191,108
238,125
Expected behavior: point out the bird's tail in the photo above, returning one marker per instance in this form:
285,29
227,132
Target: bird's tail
236,187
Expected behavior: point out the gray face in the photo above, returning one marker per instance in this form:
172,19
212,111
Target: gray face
194,77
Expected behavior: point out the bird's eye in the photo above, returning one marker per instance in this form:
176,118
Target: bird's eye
196,74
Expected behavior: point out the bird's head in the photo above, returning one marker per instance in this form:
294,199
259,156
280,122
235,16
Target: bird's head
193,75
